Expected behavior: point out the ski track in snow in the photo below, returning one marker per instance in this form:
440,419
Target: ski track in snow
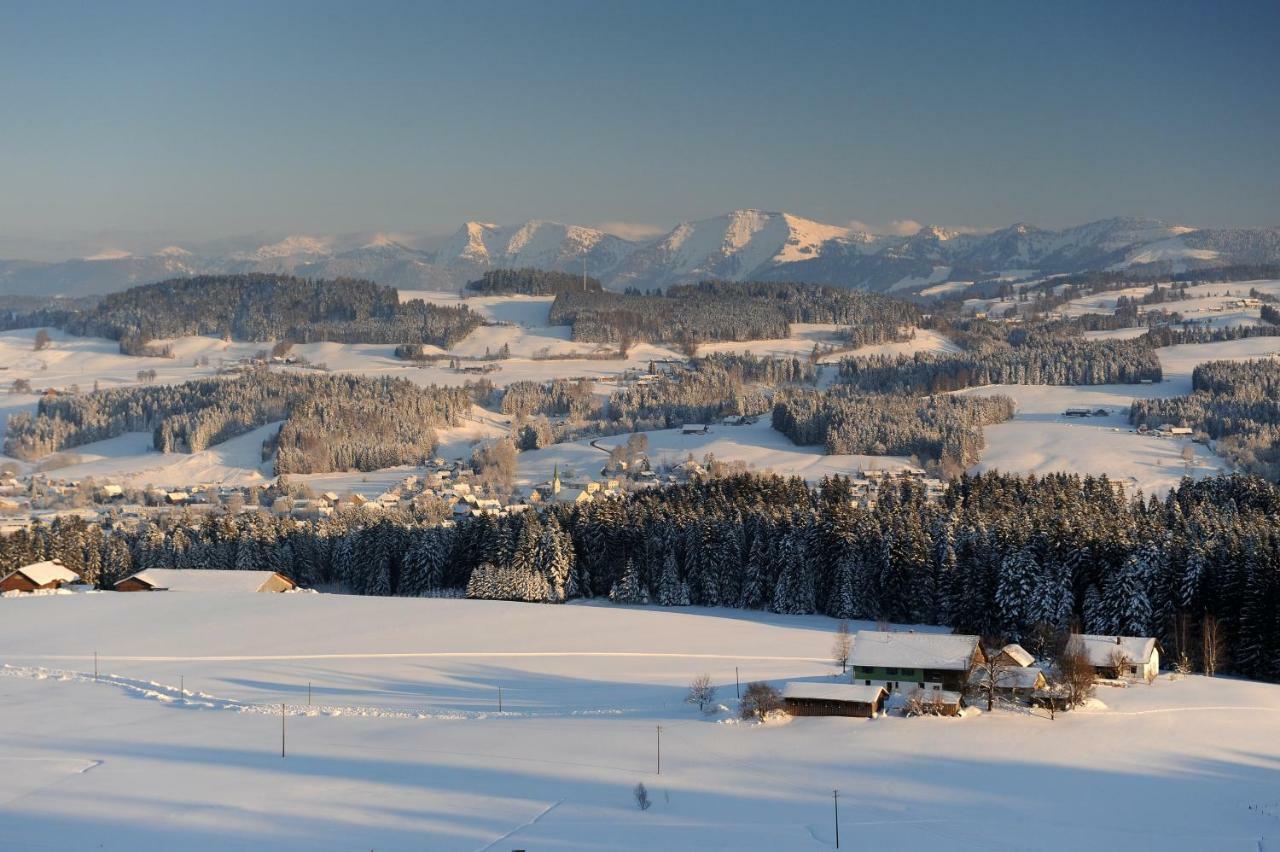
538,816
172,695
415,654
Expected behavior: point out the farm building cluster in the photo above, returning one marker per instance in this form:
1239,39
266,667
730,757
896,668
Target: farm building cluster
933,672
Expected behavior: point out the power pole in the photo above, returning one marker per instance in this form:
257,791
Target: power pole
737,686
182,686
282,729
835,800
499,699
95,666
659,749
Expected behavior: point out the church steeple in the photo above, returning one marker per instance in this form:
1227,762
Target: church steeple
555,480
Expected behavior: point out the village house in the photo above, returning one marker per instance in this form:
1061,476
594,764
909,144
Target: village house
909,661
1127,657
834,699
205,580
50,574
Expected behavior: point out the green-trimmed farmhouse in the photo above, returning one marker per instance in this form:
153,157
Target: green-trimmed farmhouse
911,661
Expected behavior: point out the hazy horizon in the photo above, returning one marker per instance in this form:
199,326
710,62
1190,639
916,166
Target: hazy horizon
143,123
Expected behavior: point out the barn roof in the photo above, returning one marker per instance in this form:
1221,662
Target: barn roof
49,571
833,692
913,650
1018,654
204,579
1101,649
1011,677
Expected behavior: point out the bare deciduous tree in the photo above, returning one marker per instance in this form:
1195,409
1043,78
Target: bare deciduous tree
641,793
842,645
701,692
990,676
42,339
1211,645
1075,673
760,699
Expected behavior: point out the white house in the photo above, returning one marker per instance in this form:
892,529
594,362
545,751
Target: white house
1129,657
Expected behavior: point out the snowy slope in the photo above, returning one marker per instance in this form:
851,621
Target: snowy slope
402,746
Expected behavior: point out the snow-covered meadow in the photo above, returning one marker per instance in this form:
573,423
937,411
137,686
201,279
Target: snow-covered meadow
403,745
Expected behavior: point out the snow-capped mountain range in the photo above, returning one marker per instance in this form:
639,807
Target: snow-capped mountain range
741,245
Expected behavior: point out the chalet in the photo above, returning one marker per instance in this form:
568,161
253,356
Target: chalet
834,699
1127,657
908,661
50,574
205,580
1014,655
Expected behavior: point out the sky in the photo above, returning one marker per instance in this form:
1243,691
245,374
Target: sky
175,120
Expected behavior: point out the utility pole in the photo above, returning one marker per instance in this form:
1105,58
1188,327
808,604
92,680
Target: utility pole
737,685
835,800
499,698
95,666
282,729
659,749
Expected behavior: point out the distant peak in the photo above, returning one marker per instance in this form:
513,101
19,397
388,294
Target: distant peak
110,254
173,251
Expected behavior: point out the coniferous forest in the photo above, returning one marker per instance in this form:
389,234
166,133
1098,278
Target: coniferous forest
270,307
1017,558
330,421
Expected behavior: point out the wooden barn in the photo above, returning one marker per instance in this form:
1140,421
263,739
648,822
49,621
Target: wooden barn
50,574
834,699
205,580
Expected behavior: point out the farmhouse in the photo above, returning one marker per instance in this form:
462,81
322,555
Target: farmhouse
694,429
205,580
50,574
1129,657
907,661
834,699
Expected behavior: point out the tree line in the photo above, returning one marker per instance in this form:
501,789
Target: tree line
531,282
330,421
1005,557
1236,403
268,307
946,430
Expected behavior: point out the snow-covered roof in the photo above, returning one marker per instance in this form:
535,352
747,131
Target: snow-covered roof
204,580
1018,654
913,650
49,571
1102,649
1011,678
833,691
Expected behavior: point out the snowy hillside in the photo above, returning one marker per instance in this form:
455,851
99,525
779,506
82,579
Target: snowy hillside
394,738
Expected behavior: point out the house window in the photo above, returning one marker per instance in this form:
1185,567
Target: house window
937,687
891,671
920,684
868,683
1133,670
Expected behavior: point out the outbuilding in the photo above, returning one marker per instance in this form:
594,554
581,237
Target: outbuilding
50,574
834,699
1128,657
205,580
1014,655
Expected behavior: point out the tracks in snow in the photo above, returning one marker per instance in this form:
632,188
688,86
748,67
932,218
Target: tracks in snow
418,655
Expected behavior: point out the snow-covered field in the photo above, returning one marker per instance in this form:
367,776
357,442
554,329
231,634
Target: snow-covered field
403,746
1209,304
758,445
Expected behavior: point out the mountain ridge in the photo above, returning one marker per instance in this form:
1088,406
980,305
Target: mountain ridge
746,243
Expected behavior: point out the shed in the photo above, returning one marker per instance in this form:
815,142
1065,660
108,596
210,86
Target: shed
1130,657
50,574
834,699
205,580
1014,654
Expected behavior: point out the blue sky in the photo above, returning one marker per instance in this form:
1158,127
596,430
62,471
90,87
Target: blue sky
211,119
